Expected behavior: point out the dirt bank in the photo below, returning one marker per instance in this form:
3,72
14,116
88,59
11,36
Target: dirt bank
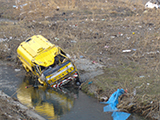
11,109
122,38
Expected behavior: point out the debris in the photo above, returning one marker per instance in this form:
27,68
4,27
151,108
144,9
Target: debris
113,37
94,62
126,51
106,46
56,38
46,17
134,49
57,8
103,99
152,5
15,7
81,56
2,39
112,106
128,38
141,76
90,82
134,92
73,41
120,34
63,13
17,70
23,5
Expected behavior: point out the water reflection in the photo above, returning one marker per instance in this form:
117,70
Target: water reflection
50,103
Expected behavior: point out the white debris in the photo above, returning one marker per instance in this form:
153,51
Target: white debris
126,51
17,70
2,40
152,4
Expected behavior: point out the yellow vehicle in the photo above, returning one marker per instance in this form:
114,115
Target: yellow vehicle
47,61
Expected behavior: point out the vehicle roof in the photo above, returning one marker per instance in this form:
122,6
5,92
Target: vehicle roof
35,44
40,49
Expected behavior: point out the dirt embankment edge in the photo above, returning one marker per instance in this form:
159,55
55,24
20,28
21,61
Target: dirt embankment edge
17,109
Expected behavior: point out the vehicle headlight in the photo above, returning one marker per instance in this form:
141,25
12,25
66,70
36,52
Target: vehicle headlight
43,78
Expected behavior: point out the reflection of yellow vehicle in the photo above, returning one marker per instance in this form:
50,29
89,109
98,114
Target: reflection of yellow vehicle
47,61
47,102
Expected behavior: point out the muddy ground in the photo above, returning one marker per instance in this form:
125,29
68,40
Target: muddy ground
121,37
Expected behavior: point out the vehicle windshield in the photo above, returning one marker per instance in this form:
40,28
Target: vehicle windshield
52,69
58,61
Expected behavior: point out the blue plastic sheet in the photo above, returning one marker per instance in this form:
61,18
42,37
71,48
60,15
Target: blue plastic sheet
112,106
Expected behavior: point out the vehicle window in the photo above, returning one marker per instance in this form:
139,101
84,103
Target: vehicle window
42,68
63,53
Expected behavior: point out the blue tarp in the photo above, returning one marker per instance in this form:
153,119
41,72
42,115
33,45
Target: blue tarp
112,106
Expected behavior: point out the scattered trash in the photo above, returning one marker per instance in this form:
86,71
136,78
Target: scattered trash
141,76
63,13
90,82
81,56
128,38
94,62
133,33
56,38
15,7
103,99
17,70
112,106
148,83
46,17
73,41
120,34
140,26
134,92
106,46
23,5
152,53
103,19
113,36
152,4
2,40
57,8
134,49
126,51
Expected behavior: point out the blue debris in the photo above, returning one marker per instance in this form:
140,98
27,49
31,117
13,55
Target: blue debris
90,82
134,49
112,106
120,115
81,56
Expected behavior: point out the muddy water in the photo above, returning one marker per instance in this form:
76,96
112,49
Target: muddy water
60,104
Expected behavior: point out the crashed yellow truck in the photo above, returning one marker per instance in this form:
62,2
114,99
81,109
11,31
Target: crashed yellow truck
47,61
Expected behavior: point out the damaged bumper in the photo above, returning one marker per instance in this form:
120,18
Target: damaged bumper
74,78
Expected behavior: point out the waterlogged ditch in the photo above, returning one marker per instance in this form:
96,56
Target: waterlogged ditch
59,104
